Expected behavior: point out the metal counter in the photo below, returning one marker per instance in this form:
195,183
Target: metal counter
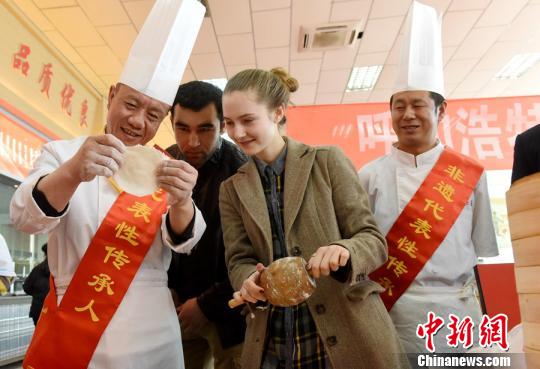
16,328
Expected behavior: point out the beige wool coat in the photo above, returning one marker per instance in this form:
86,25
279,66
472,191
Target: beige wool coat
323,204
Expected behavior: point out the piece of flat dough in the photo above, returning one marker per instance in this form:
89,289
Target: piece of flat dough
137,175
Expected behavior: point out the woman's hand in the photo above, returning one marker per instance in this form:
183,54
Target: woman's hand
328,259
251,291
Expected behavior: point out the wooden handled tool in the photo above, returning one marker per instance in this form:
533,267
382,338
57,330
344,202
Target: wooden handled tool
234,303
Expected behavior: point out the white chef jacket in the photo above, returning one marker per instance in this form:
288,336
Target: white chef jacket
7,266
446,283
144,332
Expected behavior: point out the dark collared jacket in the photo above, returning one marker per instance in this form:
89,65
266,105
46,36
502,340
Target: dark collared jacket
526,153
203,273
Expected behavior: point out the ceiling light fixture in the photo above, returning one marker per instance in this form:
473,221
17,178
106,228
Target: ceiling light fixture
517,66
364,78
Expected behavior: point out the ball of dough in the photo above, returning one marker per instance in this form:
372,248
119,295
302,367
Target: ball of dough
286,282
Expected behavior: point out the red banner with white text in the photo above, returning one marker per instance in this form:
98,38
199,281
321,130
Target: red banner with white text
484,129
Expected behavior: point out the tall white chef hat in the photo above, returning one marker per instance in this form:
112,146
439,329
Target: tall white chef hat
421,63
160,53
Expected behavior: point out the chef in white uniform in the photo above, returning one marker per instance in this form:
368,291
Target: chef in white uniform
446,284
68,194
7,267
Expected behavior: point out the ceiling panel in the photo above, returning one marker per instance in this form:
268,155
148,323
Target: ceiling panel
74,26
63,46
449,88
382,9
339,59
54,3
497,56
524,25
448,52
519,89
35,15
387,78
207,66
468,4
258,5
119,39
333,80
494,88
514,89
475,82
273,57
477,42
188,76
101,59
532,45
500,12
206,39
91,77
457,95
456,70
231,16
380,34
380,95
456,26
440,5
237,49
479,37
311,12
296,55
530,80
351,11
366,60
328,98
305,95
306,71
233,69
352,97
114,14
138,11
109,79
395,53
279,21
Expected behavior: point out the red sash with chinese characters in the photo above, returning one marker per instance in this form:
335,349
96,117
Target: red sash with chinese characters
424,222
67,336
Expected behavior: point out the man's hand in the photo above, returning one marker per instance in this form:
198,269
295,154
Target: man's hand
251,291
327,259
191,318
177,178
98,156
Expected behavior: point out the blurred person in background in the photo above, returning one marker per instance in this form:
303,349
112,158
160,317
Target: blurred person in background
37,286
526,153
7,268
